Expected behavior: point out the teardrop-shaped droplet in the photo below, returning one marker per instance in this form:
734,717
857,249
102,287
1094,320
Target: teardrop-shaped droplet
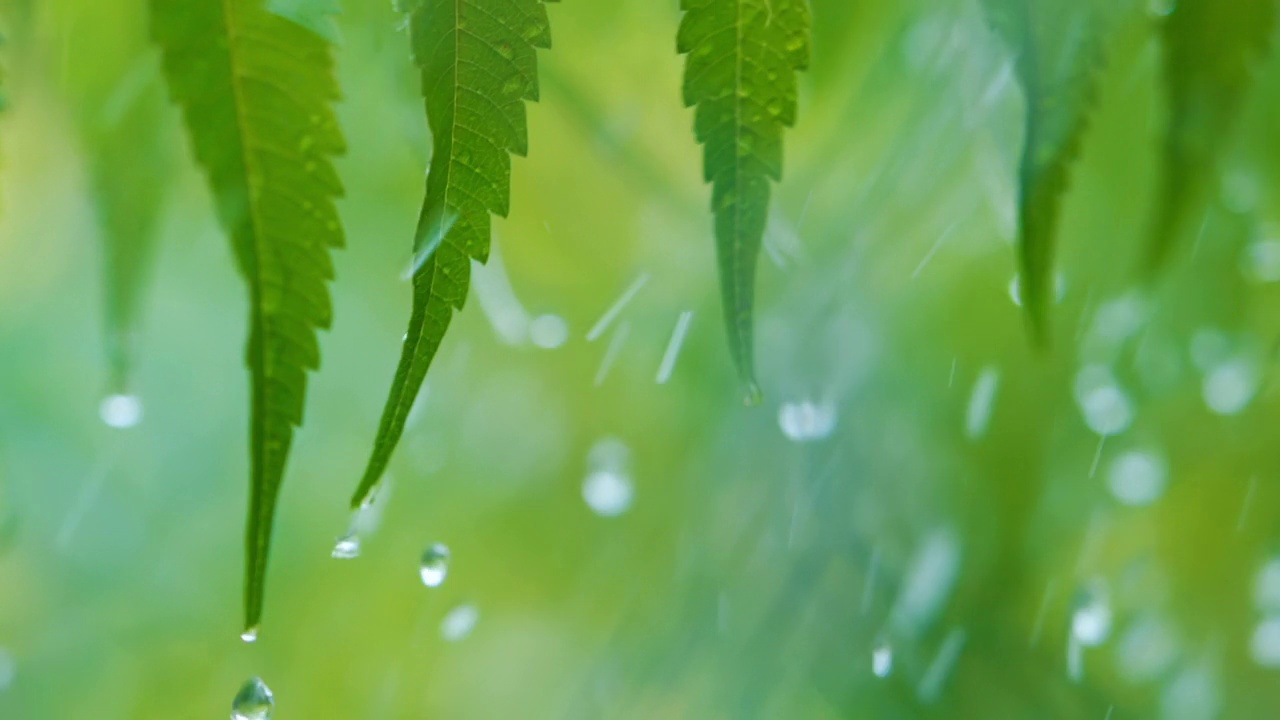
435,565
121,411
253,702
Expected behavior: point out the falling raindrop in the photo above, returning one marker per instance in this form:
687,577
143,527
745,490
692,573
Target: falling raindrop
8,669
459,622
1264,646
932,574
347,547
806,421
1091,620
981,402
121,411
1137,477
435,565
882,659
608,492
253,702
1230,386
1106,407
548,331
250,635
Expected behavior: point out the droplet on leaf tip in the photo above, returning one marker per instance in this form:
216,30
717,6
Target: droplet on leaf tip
347,547
250,635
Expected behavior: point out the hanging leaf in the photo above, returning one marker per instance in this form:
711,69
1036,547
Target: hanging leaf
114,89
740,73
257,90
479,64
1211,48
1057,47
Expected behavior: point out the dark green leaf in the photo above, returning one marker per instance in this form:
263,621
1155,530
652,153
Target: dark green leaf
257,90
1211,48
1057,47
479,64
740,73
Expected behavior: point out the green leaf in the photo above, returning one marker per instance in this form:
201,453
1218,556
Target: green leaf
1210,51
114,88
740,73
479,64
1057,47
257,90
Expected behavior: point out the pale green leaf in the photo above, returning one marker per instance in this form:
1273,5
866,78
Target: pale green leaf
115,91
1211,48
479,65
1057,48
741,74
257,90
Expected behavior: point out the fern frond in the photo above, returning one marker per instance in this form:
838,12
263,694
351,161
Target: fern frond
479,65
257,92
740,73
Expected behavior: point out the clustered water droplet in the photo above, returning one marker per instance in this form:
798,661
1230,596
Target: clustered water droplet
253,702
434,567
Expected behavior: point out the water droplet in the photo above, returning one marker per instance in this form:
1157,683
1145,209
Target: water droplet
435,565
253,702
1264,646
1091,620
932,574
882,659
1118,320
608,492
548,331
347,547
1059,288
1209,347
1261,261
1192,694
250,635
1266,587
1137,477
1106,408
806,421
121,411
1230,386
981,402
1146,650
459,622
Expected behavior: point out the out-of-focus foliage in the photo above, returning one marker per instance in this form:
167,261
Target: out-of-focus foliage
479,65
1057,48
925,519
1211,52
256,90
741,76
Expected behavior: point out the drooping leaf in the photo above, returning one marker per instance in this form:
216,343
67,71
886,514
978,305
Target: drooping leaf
257,91
479,64
1057,47
1210,51
743,56
115,91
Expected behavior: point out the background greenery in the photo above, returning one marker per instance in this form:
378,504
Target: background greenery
753,575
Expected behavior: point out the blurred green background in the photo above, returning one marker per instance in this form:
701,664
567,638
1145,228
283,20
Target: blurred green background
924,519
